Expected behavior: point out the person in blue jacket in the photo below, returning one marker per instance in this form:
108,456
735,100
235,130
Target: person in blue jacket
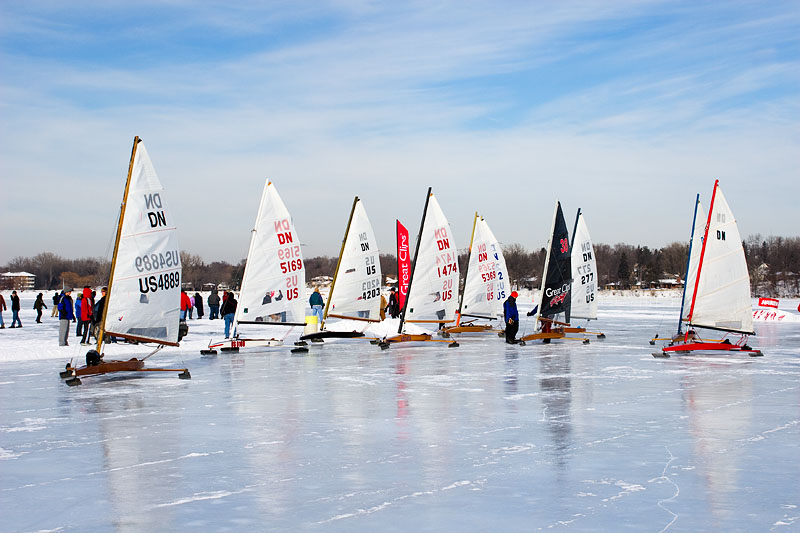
66,313
511,317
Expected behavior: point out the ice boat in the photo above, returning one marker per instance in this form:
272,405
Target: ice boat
555,294
485,282
433,288
716,293
143,298
272,295
355,295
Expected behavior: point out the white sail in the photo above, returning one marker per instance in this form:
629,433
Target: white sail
486,285
357,289
145,285
695,247
274,279
722,298
584,273
433,294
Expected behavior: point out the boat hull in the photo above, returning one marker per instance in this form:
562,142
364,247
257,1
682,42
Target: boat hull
332,335
469,329
235,344
706,346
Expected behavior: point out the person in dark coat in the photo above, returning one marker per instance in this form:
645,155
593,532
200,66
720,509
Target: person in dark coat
511,316
15,310
228,312
38,304
198,304
213,305
2,308
65,314
394,304
55,304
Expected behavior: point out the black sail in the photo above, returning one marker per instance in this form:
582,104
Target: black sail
557,297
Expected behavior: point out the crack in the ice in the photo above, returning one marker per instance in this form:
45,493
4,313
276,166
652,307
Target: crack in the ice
677,490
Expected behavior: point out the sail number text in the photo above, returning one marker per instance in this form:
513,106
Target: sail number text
157,261
160,282
291,266
370,289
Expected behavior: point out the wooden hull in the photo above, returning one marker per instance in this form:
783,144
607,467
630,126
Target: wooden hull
409,338
106,367
469,329
71,376
539,336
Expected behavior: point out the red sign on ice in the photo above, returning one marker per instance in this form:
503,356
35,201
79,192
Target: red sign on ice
768,302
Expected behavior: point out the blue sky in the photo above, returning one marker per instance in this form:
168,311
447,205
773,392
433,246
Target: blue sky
624,109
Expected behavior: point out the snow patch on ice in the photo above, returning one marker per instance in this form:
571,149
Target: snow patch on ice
31,424
201,496
8,454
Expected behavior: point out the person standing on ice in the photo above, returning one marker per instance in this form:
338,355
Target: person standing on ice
2,308
228,311
511,316
15,310
186,304
213,305
66,313
38,304
198,304
394,304
55,304
87,308
317,304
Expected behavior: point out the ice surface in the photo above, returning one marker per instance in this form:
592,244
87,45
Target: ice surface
484,437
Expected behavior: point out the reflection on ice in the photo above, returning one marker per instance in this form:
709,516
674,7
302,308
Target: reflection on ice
487,436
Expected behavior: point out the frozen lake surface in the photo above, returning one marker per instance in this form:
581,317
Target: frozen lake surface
484,437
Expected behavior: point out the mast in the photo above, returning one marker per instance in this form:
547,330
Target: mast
575,229
414,263
702,251
688,260
466,270
338,263
136,141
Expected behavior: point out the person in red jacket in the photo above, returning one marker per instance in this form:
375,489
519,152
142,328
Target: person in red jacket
186,304
87,306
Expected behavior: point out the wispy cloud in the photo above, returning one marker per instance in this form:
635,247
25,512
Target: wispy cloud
610,106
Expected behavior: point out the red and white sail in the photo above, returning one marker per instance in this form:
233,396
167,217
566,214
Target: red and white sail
486,285
433,293
274,279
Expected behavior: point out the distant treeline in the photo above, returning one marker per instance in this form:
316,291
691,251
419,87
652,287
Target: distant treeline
772,262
